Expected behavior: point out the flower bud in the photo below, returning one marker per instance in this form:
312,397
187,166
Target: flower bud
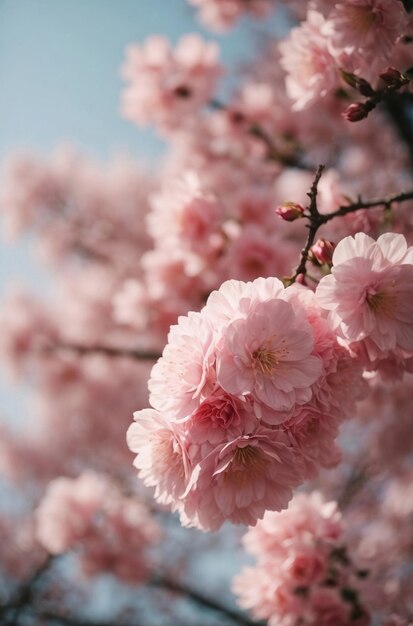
301,279
290,211
391,76
322,251
356,112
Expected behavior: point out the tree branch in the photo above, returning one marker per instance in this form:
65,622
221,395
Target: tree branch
256,130
110,351
24,596
316,219
176,587
68,620
400,110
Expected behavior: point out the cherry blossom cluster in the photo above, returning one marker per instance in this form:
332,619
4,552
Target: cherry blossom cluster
222,14
260,375
247,398
304,574
167,86
358,36
90,516
77,207
249,393
370,295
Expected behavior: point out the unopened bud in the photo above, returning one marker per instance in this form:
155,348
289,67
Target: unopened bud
301,279
356,112
322,251
290,211
391,76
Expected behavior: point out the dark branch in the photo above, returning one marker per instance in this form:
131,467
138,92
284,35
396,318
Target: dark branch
316,219
399,109
111,351
70,620
176,587
10,612
315,222
256,130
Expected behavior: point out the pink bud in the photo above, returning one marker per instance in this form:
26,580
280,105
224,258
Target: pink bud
391,76
290,211
355,112
301,279
322,251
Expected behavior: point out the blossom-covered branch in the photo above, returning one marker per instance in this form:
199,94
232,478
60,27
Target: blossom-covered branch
317,219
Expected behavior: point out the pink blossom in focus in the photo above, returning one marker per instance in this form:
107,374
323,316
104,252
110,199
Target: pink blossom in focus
370,293
218,417
162,458
183,376
240,479
268,355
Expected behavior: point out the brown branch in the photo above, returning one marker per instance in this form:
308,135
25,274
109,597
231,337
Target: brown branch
110,351
177,587
315,222
70,620
316,219
399,109
24,596
256,130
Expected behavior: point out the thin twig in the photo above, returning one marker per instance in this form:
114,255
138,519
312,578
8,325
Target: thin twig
315,222
316,219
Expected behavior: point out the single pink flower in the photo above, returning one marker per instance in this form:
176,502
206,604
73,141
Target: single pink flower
367,28
162,459
370,293
311,69
183,376
268,355
220,417
241,479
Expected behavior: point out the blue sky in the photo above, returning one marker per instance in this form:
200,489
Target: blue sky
59,82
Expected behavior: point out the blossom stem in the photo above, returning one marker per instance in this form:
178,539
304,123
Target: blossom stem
316,219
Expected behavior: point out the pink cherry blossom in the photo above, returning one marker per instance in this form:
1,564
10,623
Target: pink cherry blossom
297,550
167,85
240,479
305,56
367,28
219,417
370,293
221,14
183,376
109,530
162,458
268,355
